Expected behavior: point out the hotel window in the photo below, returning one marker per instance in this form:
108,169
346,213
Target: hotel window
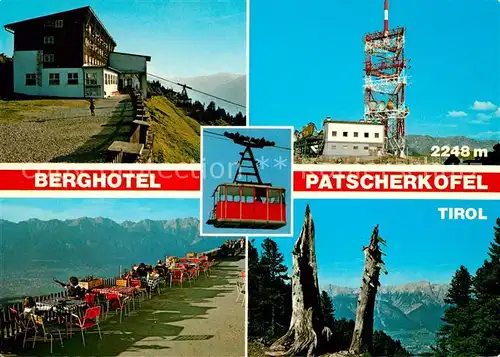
355,134
72,78
91,79
48,39
367,135
355,147
59,23
48,57
376,135
30,79
49,23
333,146
366,147
345,134
54,79
345,146
334,133
105,78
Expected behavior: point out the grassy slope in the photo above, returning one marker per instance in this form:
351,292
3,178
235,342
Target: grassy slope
177,137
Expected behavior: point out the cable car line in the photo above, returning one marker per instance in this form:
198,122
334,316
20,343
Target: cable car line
226,138
184,86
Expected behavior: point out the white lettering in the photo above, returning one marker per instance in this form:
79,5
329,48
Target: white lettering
458,213
311,179
41,180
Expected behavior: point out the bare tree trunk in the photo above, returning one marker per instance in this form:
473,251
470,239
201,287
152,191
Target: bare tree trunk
362,338
307,334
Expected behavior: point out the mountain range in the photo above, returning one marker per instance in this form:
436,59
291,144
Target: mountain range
97,241
229,86
422,144
411,312
34,251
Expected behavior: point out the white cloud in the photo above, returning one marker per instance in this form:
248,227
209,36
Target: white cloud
456,114
478,105
482,116
497,113
487,135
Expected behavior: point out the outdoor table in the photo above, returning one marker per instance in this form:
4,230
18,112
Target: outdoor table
68,306
129,291
152,283
65,304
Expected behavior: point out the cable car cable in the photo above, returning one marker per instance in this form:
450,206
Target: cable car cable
196,90
217,134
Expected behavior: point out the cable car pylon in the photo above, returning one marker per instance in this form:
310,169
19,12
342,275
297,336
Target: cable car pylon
248,156
249,203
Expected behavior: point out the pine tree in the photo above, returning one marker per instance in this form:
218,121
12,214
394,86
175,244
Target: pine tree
459,293
327,309
455,336
269,293
272,260
384,345
487,290
273,286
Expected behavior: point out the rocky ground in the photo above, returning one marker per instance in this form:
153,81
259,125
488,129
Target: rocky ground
62,133
256,349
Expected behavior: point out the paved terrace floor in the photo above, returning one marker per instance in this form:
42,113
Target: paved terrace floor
203,320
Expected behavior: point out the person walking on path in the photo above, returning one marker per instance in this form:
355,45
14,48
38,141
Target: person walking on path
92,107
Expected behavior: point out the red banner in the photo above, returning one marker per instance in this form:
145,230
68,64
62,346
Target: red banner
100,180
304,181
379,181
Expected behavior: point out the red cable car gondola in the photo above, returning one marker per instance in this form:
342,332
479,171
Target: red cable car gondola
244,204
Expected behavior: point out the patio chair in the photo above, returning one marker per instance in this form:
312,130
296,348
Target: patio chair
90,299
116,303
22,326
46,330
142,291
204,268
90,319
176,276
190,274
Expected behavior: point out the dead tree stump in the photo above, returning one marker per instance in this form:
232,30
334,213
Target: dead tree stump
307,334
362,338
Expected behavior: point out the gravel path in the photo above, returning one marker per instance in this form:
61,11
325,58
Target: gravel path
66,134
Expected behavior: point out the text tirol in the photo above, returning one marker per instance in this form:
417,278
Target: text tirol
393,181
122,180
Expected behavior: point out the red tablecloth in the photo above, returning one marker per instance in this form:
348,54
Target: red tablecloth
121,290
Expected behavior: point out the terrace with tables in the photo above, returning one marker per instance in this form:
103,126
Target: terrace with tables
196,308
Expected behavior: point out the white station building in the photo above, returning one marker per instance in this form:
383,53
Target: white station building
349,138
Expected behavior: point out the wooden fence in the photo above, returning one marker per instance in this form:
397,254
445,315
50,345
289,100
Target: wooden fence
139,147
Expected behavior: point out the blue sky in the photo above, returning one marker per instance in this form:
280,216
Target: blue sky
119,210
306,62
184,38
220,156
420,246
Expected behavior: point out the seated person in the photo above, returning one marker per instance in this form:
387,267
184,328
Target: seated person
160,268
29,308
74,290
155,274
141,270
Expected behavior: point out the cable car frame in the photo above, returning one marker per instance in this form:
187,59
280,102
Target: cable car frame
248,204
